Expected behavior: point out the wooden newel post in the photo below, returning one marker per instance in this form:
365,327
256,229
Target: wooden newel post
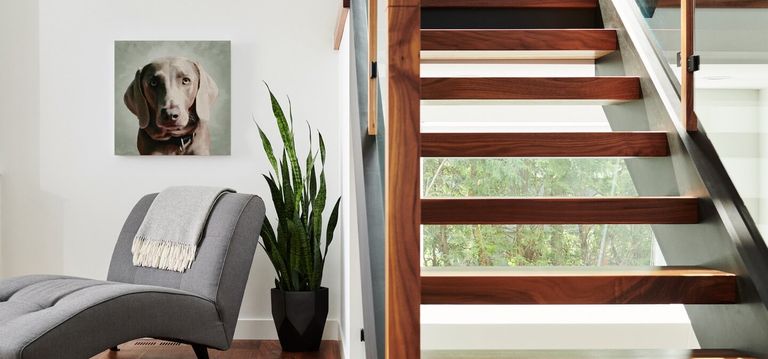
403,195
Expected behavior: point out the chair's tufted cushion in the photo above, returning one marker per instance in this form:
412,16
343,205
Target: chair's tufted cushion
40,315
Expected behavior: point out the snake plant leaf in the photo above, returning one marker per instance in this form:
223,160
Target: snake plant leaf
279,275
281,240
319,205
299,249
306,199
322,148
286,133
290,113
317,272
267,234
268,149
299,246
310,239
288,196
312,185
270,246
267,227
332,221
277,198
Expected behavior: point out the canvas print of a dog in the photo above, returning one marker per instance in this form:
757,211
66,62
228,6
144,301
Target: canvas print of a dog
172,97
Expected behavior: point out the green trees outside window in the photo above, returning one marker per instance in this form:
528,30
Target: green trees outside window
532,245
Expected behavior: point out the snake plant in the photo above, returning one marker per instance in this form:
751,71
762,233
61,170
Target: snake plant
296,249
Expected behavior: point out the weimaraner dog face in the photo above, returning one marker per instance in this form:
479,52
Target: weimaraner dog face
169,93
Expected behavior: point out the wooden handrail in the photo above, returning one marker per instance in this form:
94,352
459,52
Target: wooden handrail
341,24
687,13
373,92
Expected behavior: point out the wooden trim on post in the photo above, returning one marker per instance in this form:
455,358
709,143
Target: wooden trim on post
403,205
687,10
373,78
341,24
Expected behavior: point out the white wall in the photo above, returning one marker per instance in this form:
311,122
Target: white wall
19,132
65,195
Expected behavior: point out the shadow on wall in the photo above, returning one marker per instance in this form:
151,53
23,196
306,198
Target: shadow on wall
27,246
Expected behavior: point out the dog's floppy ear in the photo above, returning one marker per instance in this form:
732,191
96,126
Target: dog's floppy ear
207,92
135,101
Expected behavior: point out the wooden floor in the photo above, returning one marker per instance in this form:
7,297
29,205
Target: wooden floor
241,349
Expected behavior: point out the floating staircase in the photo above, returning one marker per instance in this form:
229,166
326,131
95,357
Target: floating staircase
409,286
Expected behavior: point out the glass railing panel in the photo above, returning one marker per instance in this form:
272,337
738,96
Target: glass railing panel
663,20
731,96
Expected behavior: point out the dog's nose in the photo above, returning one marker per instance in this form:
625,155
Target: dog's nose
171,114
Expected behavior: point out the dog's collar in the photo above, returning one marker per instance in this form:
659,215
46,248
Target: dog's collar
184,141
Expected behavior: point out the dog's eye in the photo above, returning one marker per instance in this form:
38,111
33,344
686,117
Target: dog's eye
153,83
186,81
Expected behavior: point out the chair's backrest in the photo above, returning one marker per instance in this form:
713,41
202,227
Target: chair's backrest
224,256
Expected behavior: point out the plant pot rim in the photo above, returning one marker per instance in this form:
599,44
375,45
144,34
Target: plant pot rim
321,289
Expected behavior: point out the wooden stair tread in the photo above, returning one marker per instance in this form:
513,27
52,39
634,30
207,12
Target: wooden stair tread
585,354
613,88
557,4
560,210
545,144
517,44
657,285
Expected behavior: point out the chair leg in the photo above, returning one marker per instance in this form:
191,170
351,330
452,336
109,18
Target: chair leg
200,350
114,349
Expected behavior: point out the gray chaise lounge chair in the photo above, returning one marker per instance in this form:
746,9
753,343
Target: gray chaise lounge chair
47,317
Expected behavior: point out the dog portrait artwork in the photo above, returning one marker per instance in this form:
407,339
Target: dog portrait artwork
172,98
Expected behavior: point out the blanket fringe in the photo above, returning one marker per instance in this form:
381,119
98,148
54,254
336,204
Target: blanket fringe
162,255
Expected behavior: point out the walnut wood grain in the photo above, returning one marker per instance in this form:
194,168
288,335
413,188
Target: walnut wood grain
558,210
514,40
618,88
403,284
545,144
403,3
580,286
734,4
558,4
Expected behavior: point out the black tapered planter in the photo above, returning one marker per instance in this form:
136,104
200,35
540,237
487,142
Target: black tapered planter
300,318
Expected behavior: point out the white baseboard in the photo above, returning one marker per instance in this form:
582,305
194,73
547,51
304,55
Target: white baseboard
264,329
342,344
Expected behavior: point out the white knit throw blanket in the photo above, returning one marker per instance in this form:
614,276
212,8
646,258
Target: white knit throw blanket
173,226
